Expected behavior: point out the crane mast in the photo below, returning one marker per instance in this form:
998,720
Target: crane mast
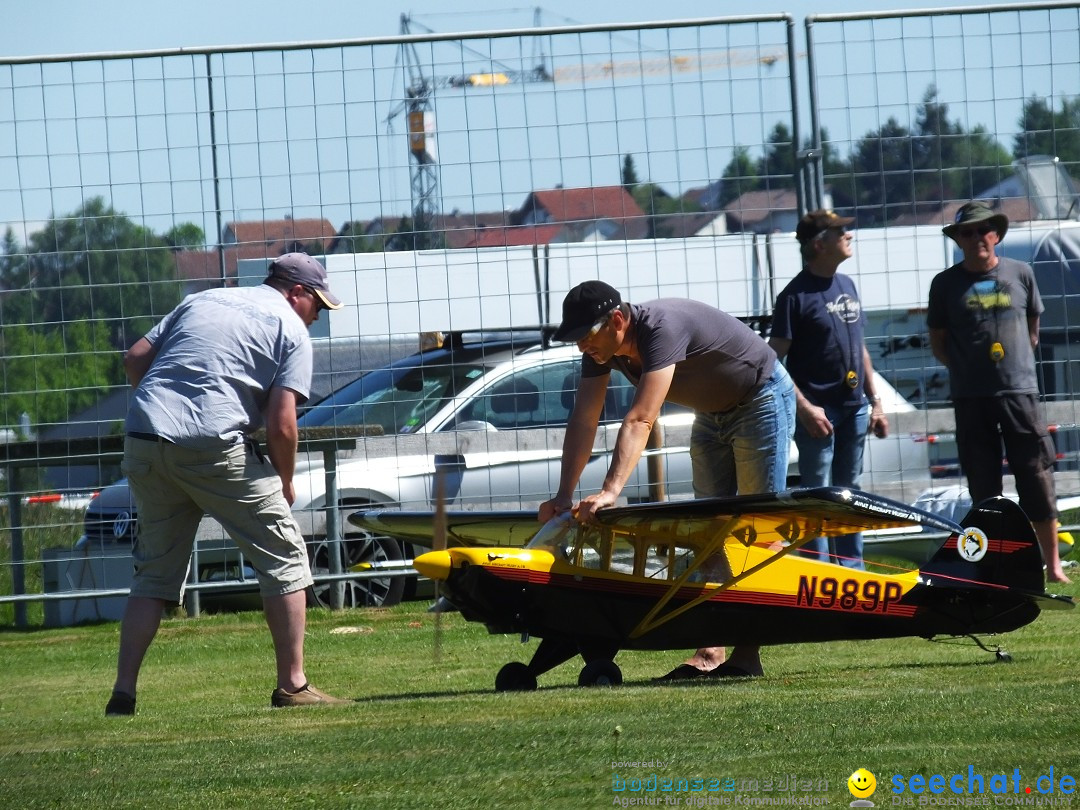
420,122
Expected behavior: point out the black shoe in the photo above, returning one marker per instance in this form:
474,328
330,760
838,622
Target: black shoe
683,672
120,704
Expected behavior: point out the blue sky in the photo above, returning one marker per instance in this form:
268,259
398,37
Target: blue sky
39,27
483,173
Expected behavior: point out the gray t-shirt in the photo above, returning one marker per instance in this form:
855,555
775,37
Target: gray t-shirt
218,354
979,310
718,359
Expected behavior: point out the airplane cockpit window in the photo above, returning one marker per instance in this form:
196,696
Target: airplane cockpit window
601,548
715,568
666,561
558,536
604,549
622,555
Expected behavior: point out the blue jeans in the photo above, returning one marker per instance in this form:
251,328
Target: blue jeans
745,450
835,460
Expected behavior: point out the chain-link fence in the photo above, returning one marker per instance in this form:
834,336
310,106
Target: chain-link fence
460,184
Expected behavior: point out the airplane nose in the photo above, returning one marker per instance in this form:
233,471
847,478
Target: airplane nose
433,564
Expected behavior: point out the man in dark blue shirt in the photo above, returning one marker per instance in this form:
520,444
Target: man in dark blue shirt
818,327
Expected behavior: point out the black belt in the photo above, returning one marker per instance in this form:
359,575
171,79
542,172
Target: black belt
149,437
251,445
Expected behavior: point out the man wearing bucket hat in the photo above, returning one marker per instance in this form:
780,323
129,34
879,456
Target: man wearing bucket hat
214,370
983,319
698,356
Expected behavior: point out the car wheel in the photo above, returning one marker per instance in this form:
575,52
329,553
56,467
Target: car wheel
367,592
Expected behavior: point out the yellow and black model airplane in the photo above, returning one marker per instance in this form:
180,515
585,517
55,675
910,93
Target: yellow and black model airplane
719,572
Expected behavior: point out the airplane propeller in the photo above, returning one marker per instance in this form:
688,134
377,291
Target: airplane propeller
438,543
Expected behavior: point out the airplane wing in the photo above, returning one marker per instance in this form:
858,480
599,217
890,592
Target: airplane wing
463,528
793,517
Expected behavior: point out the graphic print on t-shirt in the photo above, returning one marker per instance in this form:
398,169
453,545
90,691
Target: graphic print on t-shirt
988,294
845,307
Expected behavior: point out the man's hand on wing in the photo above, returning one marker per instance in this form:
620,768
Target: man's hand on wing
554,507
586,510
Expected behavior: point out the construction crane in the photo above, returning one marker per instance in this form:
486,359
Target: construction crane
420,118
420,121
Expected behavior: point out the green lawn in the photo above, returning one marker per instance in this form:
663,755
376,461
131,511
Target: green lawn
432,733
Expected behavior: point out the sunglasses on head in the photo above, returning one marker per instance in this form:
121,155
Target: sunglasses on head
982,230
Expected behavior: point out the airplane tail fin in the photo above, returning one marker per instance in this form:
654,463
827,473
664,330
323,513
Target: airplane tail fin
997,547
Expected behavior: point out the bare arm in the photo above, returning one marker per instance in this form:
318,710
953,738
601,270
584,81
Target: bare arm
652,390
577,443
937,346
1033,330
138,359
281,437
812,416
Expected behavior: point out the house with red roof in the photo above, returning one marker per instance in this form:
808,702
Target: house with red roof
266,239
591,214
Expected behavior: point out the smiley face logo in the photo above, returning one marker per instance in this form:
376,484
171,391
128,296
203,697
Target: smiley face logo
862,784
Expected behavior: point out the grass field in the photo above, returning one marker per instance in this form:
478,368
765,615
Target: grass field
425,733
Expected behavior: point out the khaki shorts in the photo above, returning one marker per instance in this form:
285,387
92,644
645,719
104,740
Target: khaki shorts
174,486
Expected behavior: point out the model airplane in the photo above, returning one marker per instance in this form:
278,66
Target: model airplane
719,572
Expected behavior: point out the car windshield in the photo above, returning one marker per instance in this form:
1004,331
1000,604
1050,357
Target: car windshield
396,400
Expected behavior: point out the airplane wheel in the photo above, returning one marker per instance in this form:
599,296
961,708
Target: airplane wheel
600,673
1003,657
515,677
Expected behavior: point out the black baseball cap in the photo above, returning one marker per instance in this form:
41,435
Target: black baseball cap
583,306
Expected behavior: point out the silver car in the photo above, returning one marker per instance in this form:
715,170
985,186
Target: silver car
484,417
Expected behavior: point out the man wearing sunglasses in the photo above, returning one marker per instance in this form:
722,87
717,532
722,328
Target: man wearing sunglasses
696,355
818,327
983,319
221,365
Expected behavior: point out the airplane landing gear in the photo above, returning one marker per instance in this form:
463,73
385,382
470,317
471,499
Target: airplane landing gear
1001,655
600,673
515,677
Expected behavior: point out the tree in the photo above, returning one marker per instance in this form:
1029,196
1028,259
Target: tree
186,236
776,167
9,261
629,173
948,163
836,174
882,172
894,170
658,206
54,372
96,264
1046,132
739,176
85,288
